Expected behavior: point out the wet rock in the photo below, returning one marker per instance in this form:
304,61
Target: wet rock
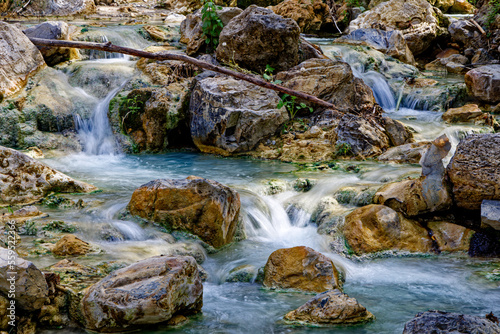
450,237
416,19
31,289
376,228
23,214
70,245
474,170
452,64
230,116
332,81
467,113
243,273
25,180
311,16
148,292
61,8
408,153
186,249
391,43
490,214
19,59
447,322
258,37
398,133
58,30
300,268
203,207
330,308
157,34
483,83
191,28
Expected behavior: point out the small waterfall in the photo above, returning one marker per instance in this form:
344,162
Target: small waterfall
98,54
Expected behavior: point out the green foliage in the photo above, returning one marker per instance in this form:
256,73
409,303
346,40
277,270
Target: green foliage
54,201
84,30
28,228
60,226
493,11
343,149
268,75
211,24
289,102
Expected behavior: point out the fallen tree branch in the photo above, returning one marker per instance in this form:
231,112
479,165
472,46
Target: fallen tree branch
181,57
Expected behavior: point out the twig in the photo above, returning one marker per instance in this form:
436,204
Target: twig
478,26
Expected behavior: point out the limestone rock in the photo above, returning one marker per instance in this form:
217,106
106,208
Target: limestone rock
300,268
408,153
311,16
203,207
231,116
474,170
19,59
398,133
490,214
148,292
463,32
483,83
417,20
30,286
23,180
446,322
257,37
376,228
467,113
70,245
450,237
61,8
156,33
330,308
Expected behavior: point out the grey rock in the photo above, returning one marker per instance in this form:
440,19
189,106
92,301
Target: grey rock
490,214
483,83
58,30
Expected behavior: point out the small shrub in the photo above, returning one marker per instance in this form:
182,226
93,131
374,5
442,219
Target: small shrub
211,24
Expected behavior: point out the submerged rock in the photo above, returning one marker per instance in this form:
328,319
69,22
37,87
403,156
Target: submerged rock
148,292
257,37
300,268
25,180
446,322
330,308
203,207
483,83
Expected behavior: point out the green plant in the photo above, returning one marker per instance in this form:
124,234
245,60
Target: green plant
268,75
59,225
343,149
493,11
133,105
29,228
211,24
289,102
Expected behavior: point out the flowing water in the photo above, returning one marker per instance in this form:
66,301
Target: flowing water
393,289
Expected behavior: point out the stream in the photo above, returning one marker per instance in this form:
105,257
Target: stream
394,289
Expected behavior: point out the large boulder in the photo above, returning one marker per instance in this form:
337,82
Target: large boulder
418,20
148,292
231,116
19,59
300,268
483,83
391,43
203,207
311,16
53,30
474,170
332,81
61,8
191,28
445,322
257,38
31,289
23,180
330,308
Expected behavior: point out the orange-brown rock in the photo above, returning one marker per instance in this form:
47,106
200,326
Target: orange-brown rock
203,207
310,15
71,245
451,237
467,113
300,268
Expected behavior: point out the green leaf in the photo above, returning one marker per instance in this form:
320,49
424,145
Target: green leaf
277,82
267,77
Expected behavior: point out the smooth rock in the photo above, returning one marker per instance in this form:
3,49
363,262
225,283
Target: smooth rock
300,268
408,153
483,83
23,180
148,292
490,214
467,113
70,245
203,207
330,308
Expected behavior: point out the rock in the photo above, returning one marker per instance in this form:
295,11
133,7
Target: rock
58,30
398,133
330,308
376,228
408,153
203,207
244,273
429,193
391,43
31,290
148,292
443,5
260,3
450,237
70,245
157,34
19,59
311,16
61,8
193,249
231,116
453,64
191,28
23,214
483,83
490,214
416,19
332,81
300,268
474,170
25,180
467,113
257,37
462,7
446,322
463,32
